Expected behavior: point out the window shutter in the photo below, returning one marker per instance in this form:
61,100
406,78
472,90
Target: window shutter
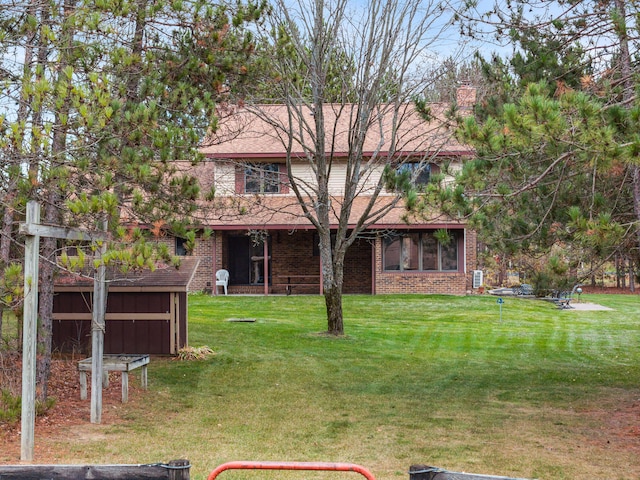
284,178
239,179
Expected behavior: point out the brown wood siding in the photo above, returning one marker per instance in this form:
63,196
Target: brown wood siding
140,334
72,336
183,315
139,302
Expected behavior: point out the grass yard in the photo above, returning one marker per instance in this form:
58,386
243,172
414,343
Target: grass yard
438,380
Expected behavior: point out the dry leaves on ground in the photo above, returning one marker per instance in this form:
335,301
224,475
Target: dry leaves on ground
68,411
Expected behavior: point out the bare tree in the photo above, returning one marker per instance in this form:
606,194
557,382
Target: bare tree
347,77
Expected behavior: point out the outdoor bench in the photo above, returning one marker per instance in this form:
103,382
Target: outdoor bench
563,298
115,363
298,281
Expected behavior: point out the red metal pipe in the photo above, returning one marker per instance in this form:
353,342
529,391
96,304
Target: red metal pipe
252,465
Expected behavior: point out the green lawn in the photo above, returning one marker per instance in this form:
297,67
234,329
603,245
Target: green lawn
542,393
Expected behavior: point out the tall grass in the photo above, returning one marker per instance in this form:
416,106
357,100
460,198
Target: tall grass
433,380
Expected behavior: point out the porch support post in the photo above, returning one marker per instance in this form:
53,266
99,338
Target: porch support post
265,253
464,249
215,263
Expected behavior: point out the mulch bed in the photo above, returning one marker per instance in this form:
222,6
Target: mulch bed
68,410
610,290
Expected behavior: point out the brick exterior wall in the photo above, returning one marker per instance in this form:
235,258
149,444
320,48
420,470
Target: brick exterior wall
296,254
293,254
204,277
472,256
453,283
358,267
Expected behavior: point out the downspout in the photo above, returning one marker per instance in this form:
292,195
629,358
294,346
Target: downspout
464,250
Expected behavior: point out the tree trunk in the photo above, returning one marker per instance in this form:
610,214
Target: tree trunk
332,259
626,71
332,286
7,229
5,240
636,199
45,313
52,215
45,306
333,302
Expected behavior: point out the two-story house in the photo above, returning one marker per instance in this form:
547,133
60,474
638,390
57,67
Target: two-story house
257,230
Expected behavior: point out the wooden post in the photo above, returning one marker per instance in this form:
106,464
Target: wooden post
33,231
425,472
174,470
30,335
97,336
179,470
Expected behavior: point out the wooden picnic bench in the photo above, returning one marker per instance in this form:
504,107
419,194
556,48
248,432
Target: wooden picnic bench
293,281
115,363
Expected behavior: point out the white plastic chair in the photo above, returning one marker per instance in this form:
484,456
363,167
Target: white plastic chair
222,279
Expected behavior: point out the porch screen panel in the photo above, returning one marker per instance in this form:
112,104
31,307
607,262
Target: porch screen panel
429,252
449,253
392,253
410,258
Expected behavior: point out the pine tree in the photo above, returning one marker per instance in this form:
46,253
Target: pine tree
557,152
106,95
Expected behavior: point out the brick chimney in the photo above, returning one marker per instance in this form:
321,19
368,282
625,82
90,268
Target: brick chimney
465,97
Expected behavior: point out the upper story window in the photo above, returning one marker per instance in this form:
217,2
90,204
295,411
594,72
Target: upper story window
262,178
421,252
420,173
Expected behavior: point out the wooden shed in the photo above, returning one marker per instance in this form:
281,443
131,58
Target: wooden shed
146,311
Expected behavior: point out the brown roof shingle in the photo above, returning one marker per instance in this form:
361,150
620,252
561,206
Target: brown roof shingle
263,130
164,277
284,212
